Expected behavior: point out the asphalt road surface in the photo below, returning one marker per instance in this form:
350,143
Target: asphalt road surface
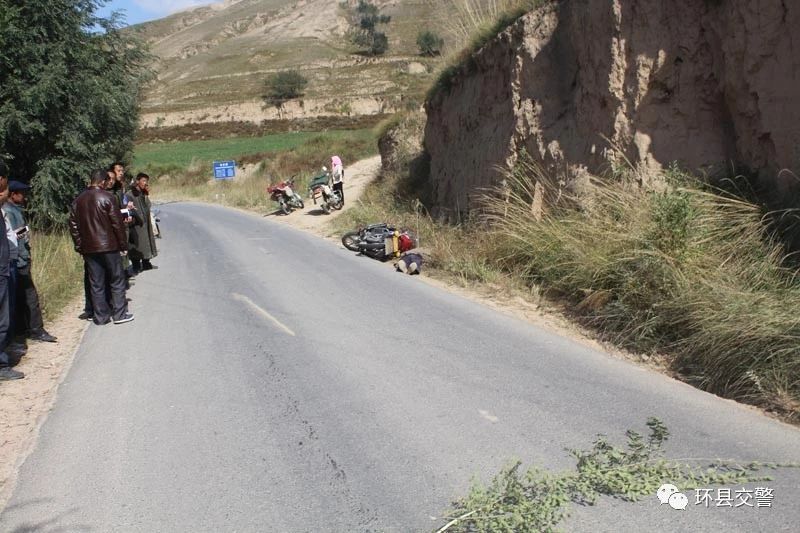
273,381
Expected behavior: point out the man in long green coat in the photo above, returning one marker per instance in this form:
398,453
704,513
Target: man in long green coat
142,238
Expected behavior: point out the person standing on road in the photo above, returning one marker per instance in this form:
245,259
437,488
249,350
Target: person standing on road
27,319
98,232
143,238
7,360
337,176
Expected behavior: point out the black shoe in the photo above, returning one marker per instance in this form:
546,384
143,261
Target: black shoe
42,336
86,315
16,351
127,317
7,374
148,266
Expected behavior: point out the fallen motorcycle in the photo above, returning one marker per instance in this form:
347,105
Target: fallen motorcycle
283,193
329,199
379,241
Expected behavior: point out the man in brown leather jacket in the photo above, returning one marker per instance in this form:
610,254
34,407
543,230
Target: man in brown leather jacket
100,236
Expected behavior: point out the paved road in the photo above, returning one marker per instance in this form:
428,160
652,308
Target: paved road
273,381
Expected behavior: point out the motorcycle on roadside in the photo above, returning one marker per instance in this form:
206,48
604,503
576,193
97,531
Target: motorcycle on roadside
284,194
379,241
319,189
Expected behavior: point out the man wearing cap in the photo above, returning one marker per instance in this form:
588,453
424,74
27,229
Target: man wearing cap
6,360
28,313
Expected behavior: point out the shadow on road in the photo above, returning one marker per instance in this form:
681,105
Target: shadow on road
51,525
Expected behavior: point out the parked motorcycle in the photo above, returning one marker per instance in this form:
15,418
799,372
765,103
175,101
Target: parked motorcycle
283,193
379,241
319,189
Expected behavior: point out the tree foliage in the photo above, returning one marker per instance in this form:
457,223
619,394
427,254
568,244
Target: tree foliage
284,86
429,43
69,88
365,33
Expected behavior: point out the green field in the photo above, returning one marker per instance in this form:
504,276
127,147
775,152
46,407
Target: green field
181,154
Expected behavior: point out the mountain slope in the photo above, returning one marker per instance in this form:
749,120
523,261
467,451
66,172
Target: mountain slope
213,61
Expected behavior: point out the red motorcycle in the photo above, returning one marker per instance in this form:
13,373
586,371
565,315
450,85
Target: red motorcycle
284,194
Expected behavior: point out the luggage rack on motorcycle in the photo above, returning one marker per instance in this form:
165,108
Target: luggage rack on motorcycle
315,187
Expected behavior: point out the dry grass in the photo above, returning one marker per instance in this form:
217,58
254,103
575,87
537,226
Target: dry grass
473,24
57,270
684,272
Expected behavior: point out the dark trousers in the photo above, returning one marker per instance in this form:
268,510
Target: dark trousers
12,305
27,317
88,308
339,187
87,289
106,268
5,359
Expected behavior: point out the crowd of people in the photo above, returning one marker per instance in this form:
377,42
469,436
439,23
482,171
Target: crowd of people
112,227
20,312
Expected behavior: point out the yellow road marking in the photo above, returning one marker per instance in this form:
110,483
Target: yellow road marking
263,313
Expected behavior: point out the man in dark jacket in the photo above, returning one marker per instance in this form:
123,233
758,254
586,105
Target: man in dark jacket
6,360
28,314
100,236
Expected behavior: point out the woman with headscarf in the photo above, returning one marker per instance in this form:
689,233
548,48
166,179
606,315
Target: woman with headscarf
337,176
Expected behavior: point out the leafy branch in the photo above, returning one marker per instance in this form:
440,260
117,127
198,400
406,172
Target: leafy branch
537,500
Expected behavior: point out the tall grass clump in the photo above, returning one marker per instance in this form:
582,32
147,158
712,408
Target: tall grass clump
471,24
57,270
682,271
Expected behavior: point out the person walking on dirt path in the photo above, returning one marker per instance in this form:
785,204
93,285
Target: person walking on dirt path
27,319
337,176
99,235
7,360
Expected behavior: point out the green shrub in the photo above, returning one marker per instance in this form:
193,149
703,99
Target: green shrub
284,86
429,43
365,20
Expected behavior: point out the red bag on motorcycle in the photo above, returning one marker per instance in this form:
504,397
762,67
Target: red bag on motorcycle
404,243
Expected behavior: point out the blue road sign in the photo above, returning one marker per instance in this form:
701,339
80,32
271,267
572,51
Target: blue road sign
224,170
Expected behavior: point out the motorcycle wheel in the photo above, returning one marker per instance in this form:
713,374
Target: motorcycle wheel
338,204
285,209
350,241
326,208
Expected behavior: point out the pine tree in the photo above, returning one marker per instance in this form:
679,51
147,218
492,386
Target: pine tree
69,88
366,34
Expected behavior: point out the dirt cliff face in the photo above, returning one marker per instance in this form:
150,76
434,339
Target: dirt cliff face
581,83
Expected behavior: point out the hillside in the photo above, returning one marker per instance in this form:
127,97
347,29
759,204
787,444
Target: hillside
213,61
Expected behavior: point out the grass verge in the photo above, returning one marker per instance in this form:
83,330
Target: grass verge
57,270
684,272
303,158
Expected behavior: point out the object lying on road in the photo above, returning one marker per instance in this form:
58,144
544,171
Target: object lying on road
409,264
379,241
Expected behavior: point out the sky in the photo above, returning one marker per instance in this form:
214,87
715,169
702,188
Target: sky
142,10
